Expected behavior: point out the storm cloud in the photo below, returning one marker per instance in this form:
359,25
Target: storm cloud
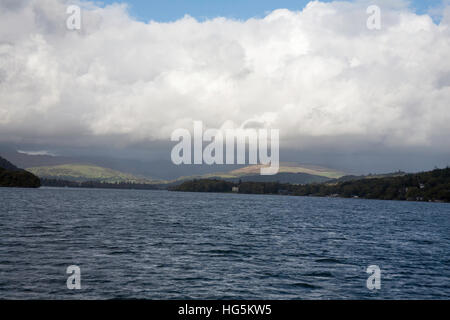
319,75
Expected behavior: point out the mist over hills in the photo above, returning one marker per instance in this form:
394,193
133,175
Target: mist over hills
115,169
153,169
157,170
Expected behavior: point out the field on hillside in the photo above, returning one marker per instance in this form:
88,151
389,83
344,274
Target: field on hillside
85,172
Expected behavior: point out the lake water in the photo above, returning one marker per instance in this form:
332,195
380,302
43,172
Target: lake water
170,245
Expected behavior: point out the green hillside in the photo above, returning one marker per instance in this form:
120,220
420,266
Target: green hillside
287,173
288,167
283,177
85,172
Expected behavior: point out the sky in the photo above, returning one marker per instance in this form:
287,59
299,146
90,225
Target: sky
171,10
338,91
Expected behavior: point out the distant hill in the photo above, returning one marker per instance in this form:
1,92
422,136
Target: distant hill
152,169
288,173
162,170
290,167
369,176
85,172
24,160
11,176
284,177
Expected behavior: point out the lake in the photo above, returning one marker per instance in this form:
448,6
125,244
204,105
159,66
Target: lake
171,245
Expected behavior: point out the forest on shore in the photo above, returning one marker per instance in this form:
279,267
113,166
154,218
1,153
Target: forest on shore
431,186
99,184
425,186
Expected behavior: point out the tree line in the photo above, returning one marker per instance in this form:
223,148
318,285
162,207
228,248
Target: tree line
425,186
98,184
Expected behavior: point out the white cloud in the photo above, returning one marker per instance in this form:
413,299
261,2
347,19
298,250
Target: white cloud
315,73
38,153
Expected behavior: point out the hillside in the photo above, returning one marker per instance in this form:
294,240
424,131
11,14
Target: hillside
425,186
290,167
369,176
283,177
11,176
162,171
288,173
151,168
85,172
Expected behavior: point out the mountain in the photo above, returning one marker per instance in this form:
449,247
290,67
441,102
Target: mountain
86,172
11,176
161,169
115,169
153,169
